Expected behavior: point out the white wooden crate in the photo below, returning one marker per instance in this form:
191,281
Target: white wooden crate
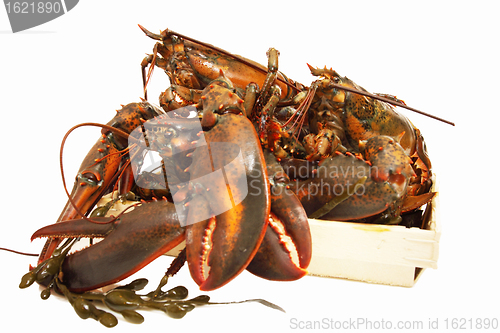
384,254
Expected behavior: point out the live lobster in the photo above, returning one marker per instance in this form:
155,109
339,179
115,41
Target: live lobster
272,151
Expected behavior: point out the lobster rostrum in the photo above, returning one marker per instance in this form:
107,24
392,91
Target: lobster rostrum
247,155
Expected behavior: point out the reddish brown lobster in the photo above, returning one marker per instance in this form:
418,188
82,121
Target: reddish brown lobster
246,156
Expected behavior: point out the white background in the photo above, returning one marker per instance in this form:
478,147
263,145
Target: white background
440,57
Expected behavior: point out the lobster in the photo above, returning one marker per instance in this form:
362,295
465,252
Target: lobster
240,173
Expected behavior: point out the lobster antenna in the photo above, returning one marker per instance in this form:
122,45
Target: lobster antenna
392,102
110,128
18,252
254,66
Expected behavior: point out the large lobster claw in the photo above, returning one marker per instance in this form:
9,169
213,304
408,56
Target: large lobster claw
131,242
229,221
286,249
369,187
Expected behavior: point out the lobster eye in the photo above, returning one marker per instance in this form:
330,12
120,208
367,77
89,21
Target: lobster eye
232,109
280,178
336,80
89,178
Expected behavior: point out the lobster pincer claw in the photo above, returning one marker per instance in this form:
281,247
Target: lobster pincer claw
130,242
176,97
286,250
230,203
357,187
